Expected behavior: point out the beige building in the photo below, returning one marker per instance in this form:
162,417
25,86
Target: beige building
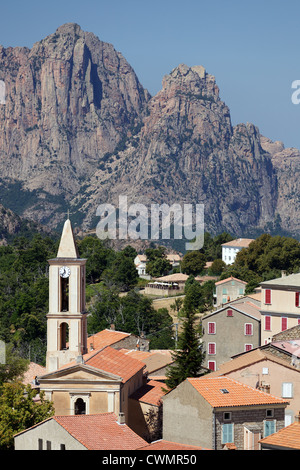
280,305
227,290
84,432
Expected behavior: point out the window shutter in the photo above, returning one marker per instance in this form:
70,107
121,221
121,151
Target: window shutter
227,433
211,365
268,296
248,329
297,299
267,323
269,428
211,348
211,328
283,323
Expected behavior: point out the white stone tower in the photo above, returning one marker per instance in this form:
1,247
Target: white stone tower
67,318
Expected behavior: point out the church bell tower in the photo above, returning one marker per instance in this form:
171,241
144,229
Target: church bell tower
67,318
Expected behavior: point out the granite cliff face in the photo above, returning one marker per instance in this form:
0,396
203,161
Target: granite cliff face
78,129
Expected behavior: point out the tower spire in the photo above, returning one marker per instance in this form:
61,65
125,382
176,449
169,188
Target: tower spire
67,247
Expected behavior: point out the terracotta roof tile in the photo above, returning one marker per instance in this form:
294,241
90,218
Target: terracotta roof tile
105,338
288,437
114,362
228,279
225,392
150,393
239,242
168,445
101,432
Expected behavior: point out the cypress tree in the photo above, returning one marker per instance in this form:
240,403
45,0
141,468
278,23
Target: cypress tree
189,356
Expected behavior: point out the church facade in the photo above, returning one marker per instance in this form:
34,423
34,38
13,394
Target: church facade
78,381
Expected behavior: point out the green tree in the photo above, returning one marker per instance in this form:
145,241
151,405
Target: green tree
193,263
217,267
189,356
18,411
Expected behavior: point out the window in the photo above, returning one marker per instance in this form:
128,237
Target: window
283,323
48,445
265,371
227,433
212,365
211,348
62,446
224,291
297,299
269,427
248,347
40,443
267,323
270,413
268,296
241,291
248,329
211,328
227,416
229,313
80,407
287,390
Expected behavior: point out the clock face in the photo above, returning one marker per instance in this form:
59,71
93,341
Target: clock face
64,271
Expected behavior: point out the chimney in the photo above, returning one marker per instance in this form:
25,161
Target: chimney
297,418
79,360
121,418
112,327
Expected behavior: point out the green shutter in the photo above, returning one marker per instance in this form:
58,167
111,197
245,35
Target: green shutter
227,433
269,428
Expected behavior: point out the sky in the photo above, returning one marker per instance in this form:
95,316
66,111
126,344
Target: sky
252,48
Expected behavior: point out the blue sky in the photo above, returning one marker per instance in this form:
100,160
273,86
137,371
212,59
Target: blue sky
252,48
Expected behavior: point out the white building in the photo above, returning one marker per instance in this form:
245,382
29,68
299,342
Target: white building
230,249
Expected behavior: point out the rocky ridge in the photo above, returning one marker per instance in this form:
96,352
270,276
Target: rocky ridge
78,129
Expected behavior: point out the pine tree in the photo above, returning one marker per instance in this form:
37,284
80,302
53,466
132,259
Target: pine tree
189,356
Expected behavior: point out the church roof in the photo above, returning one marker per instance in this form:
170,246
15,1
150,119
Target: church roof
105,338
114,362
67,247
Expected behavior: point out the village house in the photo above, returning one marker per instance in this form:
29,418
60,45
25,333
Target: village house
267,370
227,290
232,329
231,249
280,305
165,286
117,340
82,432
219,411
140,262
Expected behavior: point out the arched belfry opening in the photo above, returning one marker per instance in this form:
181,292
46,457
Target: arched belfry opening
80,407
64,288
64,336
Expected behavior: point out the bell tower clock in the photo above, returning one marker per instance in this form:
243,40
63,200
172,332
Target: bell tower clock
67,318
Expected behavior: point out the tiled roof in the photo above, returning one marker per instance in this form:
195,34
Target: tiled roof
247,359
288,437
114,362
100,432
228,279
239,242
225,392
105,338
154,359
176,277
168,445
150,393
293,280
244,307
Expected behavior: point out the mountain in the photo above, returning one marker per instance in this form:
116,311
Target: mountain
78,129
